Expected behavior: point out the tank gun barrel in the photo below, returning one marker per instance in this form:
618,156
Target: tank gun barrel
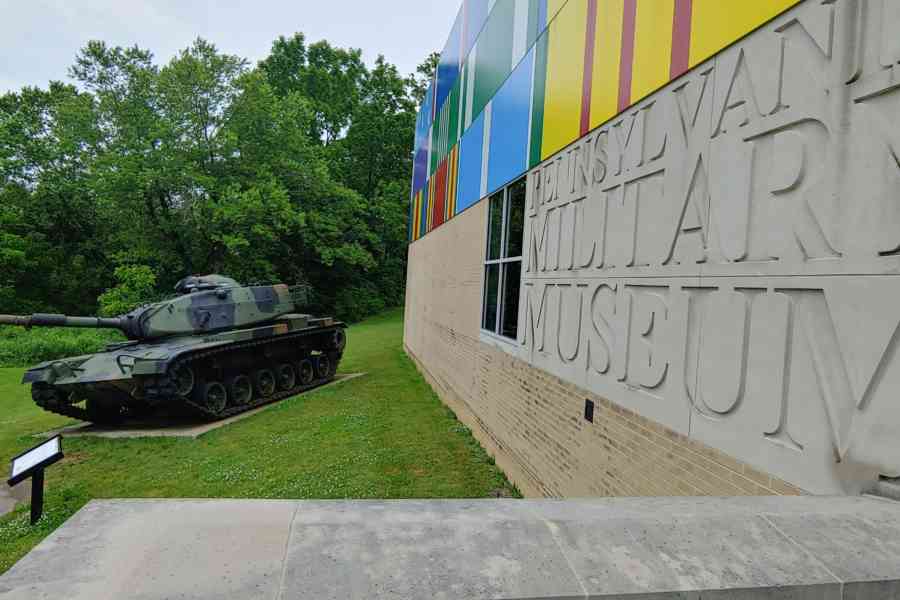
49,320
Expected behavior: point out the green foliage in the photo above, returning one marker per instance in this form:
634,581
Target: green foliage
294,171
357,302
423,76
329,77
22,348
136,285
383,435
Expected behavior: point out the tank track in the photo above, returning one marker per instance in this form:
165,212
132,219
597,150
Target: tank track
256,402
48,398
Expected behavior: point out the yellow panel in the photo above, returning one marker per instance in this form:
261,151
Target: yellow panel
653,45
553,7
607,55
715,23
565,76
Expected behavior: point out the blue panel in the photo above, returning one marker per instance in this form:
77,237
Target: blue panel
428,108
423,121
510,116
542,16
476,14
448,68
471,148
420,130
420,169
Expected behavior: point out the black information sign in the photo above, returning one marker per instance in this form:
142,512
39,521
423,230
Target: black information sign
32,463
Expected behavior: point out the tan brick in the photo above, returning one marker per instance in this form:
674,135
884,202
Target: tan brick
531,421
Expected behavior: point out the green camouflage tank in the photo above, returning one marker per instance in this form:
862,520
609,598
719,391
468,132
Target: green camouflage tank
217,348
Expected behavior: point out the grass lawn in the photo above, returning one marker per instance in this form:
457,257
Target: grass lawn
384,435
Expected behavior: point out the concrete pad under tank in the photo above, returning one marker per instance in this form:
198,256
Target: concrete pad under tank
177,427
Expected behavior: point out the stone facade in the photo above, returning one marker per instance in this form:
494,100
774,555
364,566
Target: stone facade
530,421
715,268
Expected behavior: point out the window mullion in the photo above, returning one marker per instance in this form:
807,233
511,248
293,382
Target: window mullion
503,222
499,316
502,276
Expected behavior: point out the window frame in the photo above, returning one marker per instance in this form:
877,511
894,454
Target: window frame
501,261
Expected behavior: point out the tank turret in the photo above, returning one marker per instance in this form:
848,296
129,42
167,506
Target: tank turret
216,348
203,304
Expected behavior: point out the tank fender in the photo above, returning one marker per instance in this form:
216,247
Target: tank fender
48,373
150,366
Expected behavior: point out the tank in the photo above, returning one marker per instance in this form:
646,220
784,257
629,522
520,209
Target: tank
215,349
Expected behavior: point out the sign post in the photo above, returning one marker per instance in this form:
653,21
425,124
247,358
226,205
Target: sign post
32,463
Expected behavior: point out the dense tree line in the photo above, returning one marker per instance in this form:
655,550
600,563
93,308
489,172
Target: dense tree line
294,170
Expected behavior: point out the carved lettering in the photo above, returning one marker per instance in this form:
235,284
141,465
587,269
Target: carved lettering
723,257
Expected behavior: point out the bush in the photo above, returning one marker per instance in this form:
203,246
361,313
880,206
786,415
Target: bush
357,302
22,347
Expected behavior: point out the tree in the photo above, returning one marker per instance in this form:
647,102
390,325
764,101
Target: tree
378,144
424,75
329,77
294,171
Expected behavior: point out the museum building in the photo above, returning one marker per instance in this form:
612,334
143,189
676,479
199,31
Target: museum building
655,244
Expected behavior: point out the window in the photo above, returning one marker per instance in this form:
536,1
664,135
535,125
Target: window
503,260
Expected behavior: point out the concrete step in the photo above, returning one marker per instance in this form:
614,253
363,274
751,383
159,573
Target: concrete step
640,548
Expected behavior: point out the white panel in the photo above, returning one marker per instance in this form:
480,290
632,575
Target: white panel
520,31
470,85
485,147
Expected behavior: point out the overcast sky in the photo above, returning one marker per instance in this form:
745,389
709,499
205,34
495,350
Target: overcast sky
39,38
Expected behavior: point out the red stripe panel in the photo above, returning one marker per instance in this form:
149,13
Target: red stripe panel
627,58
440,192
590,37
681,37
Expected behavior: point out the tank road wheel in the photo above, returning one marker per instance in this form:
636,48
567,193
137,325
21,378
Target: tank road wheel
215,397
287,377
323,366
264,383
305,372
240,389
184,380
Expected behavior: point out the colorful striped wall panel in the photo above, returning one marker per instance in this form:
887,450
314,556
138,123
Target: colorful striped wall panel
519,80
510,116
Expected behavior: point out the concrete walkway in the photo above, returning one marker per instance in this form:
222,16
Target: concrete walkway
641,549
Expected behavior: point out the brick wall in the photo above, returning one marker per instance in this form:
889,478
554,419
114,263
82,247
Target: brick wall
531,421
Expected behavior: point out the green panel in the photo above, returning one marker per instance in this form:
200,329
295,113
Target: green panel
494,58
537,113
437,150
453,116
433,138
444,133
